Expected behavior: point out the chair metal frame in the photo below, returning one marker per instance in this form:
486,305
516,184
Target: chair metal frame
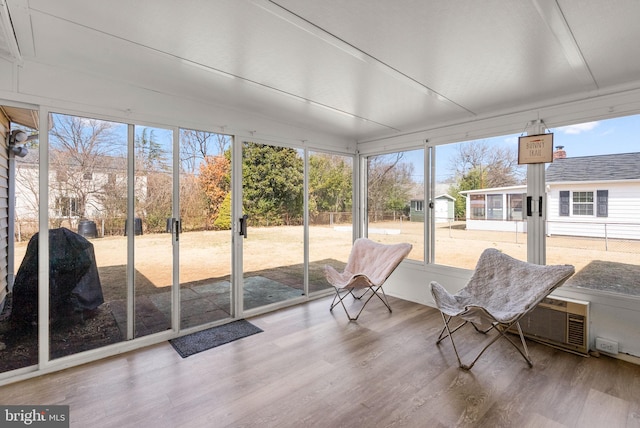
349,291
502,330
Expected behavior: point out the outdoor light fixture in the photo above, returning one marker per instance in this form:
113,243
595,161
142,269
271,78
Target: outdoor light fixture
16,142
20,151
18,136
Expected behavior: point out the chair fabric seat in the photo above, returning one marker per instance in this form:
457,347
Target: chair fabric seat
501,289
369,265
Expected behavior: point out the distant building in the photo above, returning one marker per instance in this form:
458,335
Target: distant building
443,209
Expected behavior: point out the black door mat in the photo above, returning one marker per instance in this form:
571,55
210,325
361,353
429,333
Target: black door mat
212,337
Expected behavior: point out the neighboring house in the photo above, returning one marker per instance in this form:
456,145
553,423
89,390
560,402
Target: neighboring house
75,193
591,196
443,209
595,196
498,208
9,118
6,278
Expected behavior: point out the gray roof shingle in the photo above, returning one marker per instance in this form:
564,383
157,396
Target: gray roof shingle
623,166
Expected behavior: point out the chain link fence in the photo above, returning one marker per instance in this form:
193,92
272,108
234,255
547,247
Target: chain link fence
614,237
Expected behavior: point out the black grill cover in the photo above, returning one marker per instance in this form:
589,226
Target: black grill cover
74,284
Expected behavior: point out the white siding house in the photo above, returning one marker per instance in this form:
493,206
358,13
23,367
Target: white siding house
595,196
590,196
75,193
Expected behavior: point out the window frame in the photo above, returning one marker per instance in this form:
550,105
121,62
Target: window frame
480,207
587,204
495,205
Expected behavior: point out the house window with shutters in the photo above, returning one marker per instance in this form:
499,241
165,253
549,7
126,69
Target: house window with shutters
585,203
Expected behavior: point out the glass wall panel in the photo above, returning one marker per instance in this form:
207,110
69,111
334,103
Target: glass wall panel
330,215
474,174
205,227
153,249
593,195
19,284
395,184
87,247
273,200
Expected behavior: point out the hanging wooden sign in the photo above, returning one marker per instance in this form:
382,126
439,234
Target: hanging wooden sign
535,149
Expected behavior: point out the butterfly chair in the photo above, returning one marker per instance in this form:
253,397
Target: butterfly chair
367,269
501,291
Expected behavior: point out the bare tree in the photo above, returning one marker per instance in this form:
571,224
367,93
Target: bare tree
495,166
479,165
195,146
78,149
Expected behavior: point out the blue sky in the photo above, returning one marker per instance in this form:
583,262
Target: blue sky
620,135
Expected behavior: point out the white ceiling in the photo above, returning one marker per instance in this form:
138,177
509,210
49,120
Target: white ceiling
359,69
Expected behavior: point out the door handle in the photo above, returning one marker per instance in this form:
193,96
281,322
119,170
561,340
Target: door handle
540,207
243,225
530,206
176,228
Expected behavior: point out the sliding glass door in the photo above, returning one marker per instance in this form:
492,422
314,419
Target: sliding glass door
87,193
273,200
153,249
204,227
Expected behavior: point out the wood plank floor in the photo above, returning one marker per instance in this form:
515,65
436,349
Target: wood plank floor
313,368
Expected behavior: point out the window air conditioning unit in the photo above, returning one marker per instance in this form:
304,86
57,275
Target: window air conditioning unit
559,322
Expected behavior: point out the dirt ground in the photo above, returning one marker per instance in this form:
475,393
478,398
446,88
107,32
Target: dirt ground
205,256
